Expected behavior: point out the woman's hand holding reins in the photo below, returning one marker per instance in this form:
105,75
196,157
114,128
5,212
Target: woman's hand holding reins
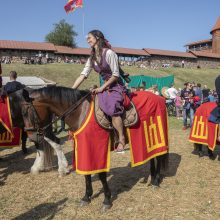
98,90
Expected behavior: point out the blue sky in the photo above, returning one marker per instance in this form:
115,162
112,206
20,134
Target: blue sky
137,24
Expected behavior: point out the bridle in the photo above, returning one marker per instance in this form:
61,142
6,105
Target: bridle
36,121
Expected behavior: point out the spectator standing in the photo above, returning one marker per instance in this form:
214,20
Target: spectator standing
40,57
187,95
198,92
47,57
215,95
211,97
172,92
13,85
178,104
205,93
183,64
155,90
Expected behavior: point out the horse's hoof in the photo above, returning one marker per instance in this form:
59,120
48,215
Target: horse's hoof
35,172
66,172
84,203
106,207
61,175
155,186
212,157
25,151
201,154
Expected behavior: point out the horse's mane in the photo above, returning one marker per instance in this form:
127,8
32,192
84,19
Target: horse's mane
60,93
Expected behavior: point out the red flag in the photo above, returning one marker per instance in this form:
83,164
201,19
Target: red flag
72,5
79,3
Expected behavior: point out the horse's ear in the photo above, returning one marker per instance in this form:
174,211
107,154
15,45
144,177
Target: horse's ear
26,96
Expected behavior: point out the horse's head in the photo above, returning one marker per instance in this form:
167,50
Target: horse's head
35,115
16,101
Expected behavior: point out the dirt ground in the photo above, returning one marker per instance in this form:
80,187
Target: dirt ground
190,189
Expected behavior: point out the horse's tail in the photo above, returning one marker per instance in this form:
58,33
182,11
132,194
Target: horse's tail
165,161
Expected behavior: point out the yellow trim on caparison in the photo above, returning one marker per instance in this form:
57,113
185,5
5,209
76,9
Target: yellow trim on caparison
131,147
149,158
86,121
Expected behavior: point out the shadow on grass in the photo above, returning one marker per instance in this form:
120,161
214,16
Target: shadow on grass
174,162
15,162
123,179
45,210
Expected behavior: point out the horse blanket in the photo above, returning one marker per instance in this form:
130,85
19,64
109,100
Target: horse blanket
147,139
203,131
7,140
11,136
5,114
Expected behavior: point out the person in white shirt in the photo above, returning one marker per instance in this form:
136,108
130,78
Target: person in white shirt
172,92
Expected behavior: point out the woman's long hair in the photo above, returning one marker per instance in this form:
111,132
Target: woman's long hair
101,43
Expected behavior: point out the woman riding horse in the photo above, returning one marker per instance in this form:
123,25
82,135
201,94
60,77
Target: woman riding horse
75,106
110,95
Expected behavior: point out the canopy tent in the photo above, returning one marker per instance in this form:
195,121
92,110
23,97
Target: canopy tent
148,81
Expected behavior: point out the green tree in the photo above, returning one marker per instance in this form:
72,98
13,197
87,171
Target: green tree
62,35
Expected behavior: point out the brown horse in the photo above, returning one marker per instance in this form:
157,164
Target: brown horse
76,104
19,103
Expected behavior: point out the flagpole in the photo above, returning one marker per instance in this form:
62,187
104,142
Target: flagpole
83,24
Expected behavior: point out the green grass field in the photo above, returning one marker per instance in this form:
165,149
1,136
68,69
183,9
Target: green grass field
65,74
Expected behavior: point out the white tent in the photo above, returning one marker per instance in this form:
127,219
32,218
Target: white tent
30,81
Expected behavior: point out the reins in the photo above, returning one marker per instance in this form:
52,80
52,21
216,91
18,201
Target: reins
39,130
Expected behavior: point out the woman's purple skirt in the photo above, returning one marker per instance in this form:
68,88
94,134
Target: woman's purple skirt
111,101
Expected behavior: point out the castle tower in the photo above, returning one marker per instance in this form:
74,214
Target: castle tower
215,32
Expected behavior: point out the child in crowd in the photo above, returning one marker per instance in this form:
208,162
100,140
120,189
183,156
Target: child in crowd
211,98
178,104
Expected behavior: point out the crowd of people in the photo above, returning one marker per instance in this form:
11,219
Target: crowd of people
5,60
188,99
185,100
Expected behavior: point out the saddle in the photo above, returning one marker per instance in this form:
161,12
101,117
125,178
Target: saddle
129,118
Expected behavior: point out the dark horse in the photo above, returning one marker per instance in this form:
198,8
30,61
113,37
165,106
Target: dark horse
17,121
60,99
19,101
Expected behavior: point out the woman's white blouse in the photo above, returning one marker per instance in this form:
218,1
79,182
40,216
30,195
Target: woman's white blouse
111,59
